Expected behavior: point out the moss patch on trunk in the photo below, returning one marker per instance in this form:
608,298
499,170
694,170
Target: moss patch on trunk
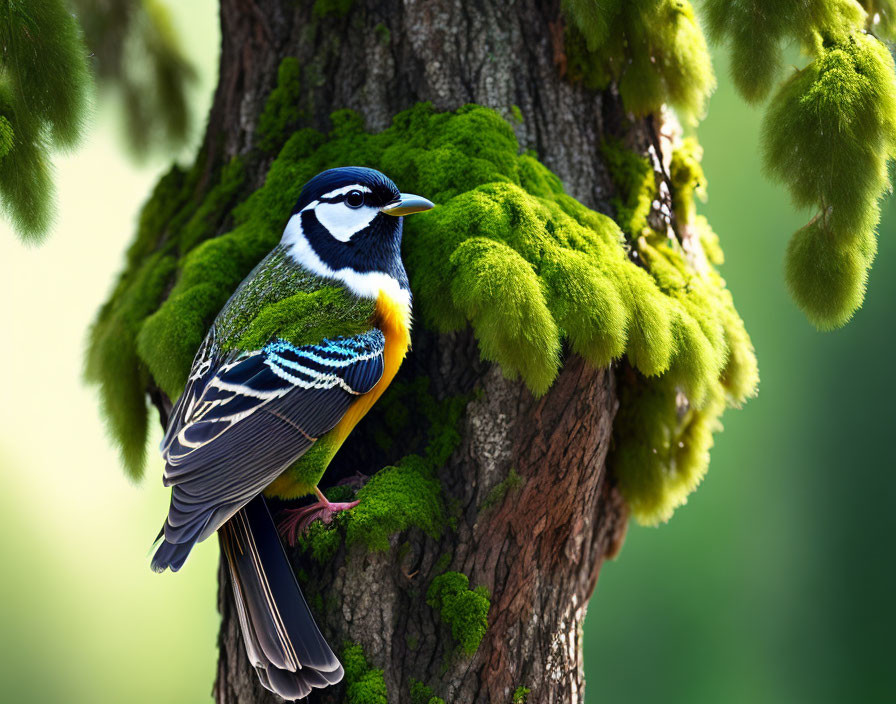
463,610
505,251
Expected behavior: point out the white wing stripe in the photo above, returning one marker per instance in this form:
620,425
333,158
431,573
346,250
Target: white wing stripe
320,381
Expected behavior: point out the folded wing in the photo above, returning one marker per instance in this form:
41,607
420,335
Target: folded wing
244,420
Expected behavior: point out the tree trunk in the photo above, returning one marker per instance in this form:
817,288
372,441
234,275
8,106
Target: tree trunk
538,549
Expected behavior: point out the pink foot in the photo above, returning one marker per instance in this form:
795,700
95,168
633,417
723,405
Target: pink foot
298,519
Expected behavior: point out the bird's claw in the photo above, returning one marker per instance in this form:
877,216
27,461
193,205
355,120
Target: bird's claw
297,520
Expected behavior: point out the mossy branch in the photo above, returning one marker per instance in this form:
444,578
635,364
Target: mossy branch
828,132
506,252
44,87
653,49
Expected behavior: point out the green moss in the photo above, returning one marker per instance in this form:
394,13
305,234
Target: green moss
636,183
520,695
506,252
688,181
281,112
516,113
442,563
400,497
43,105
340,492
395,499
463,609
661,446
219,201
334,8
412,641
363,684
847,91
383,34
757,31
112,359
828,132
421,694
512,481
321,541
663,431
828,287
655,50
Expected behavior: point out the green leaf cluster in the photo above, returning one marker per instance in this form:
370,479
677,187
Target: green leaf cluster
464,610
653,49
44,85
828,133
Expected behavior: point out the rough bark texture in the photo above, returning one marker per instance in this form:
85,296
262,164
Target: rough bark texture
540,549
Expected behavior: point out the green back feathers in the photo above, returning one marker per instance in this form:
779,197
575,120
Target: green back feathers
280,300
306,318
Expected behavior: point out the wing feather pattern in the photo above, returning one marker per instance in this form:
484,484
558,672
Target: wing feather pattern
242,420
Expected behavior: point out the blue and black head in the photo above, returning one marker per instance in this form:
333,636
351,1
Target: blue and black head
350,218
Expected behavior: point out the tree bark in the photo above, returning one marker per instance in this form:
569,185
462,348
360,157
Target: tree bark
539,550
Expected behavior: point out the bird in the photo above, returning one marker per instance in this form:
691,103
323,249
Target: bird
262,415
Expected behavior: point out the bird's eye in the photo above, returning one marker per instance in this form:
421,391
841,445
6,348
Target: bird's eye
354,199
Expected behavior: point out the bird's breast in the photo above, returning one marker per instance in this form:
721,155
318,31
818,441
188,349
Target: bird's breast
393,317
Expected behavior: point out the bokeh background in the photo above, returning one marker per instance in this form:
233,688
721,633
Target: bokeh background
774,583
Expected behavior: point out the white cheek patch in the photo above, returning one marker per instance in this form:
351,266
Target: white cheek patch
366,284
342,221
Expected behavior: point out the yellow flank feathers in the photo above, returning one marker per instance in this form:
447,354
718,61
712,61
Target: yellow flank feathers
394,319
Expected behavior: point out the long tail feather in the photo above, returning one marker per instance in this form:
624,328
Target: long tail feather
282,639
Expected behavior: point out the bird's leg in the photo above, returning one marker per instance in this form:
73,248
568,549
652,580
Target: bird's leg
297,520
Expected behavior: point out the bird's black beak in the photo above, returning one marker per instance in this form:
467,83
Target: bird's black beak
406,204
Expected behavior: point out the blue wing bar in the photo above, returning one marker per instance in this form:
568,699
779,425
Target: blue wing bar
242,421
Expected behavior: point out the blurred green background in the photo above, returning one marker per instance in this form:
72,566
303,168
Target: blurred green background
773,584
